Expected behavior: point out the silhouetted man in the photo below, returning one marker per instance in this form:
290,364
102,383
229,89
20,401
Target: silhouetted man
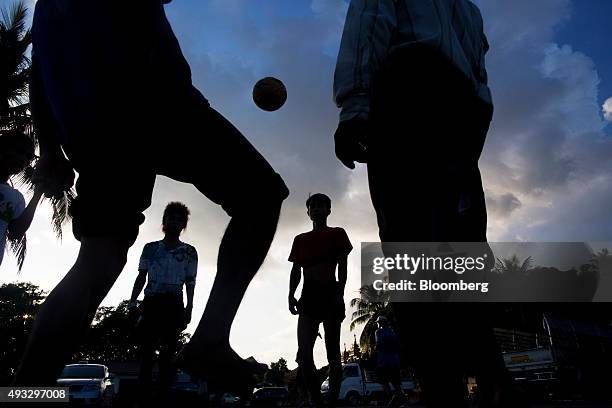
165,266
317,254
116,95
388,360
412,85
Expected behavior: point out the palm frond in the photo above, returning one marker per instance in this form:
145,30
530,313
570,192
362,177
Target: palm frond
19,248
61,215
363,319
13,19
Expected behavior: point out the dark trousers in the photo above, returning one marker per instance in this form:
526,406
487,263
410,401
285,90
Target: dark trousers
159,329
428,131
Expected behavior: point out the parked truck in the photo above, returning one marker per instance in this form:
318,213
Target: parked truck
568,360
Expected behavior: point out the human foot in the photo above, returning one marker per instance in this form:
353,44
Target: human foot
219,364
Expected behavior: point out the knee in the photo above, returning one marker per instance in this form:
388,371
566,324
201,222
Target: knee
263,203
305,360
100,262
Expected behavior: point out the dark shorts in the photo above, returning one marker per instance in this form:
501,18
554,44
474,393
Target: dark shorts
322,301
162,316
120,92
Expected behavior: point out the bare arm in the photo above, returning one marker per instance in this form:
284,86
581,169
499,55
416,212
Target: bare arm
44,122
53,173
294,281
18,227
138,285
189,289
342,274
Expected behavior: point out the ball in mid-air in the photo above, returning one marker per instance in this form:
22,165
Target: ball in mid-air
269,94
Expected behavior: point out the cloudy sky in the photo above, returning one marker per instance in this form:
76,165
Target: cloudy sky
547,164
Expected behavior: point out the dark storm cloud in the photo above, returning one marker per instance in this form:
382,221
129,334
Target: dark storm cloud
547,141
503,205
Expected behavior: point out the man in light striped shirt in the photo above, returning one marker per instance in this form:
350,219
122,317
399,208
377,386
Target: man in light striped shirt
415,106
412,87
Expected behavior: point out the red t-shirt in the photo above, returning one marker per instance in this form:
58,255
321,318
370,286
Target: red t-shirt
324,246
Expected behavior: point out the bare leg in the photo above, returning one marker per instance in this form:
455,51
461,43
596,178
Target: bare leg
242,251
69,309
332,346
308,329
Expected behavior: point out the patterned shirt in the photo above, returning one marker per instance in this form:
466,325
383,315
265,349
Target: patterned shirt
12,204
168,269
374,29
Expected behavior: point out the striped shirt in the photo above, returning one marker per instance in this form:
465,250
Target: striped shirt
376,28
168,269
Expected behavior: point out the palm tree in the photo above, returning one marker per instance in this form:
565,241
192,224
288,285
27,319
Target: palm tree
369,305
15,69
15,73
603,258
603,262
15,113
513,266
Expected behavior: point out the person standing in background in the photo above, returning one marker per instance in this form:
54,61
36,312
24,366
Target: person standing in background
165,266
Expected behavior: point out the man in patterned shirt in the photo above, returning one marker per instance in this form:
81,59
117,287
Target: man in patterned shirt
165,266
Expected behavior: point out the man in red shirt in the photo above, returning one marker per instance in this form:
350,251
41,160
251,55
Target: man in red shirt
317,253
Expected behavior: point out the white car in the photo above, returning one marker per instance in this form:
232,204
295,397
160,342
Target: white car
88,384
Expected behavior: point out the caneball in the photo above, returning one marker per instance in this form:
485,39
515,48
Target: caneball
269,94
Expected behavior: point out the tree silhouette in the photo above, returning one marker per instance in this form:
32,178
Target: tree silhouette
15,67
512,266
369,305
277,374
19,303
603,260
112,336
15,112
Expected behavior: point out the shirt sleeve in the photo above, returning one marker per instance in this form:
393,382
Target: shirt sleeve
192,267
484,92
364,46
145,258
294,255
343,243
19,205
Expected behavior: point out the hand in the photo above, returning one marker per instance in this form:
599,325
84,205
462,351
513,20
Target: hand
132,310
53,175
351,141
293,305
132,306
187,315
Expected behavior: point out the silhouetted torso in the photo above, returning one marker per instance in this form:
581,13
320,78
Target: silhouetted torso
318,252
